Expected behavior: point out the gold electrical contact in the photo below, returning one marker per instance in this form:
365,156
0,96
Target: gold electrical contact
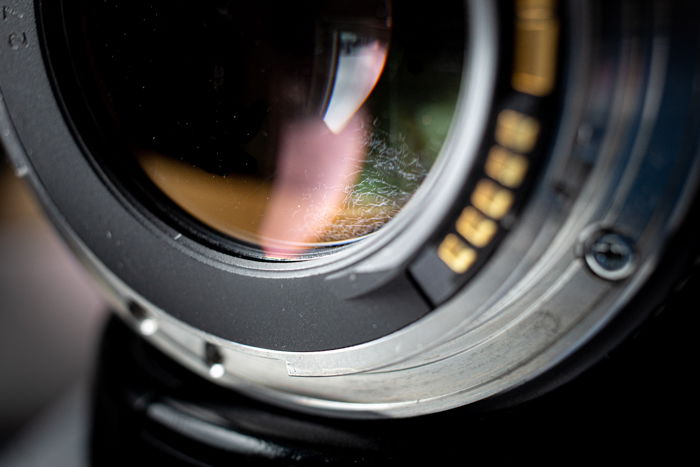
517,131
536,34
491,199
506,167
475,227
456,254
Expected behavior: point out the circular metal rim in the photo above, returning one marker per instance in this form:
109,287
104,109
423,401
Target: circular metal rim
466,342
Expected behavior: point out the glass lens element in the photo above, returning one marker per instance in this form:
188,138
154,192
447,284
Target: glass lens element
290,126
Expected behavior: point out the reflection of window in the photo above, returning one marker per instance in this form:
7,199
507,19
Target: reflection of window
357,70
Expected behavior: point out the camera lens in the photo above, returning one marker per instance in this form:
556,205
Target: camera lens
366,208
289,127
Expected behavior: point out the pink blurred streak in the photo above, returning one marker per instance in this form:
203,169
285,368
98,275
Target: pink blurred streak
316,170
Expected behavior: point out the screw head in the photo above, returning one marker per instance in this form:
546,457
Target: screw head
610,255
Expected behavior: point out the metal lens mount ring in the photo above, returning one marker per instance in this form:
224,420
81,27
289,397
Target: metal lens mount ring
585,244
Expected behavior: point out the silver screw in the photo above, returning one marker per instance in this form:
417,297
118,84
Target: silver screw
610,255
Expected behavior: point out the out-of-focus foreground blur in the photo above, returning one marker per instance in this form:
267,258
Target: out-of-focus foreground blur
50,314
